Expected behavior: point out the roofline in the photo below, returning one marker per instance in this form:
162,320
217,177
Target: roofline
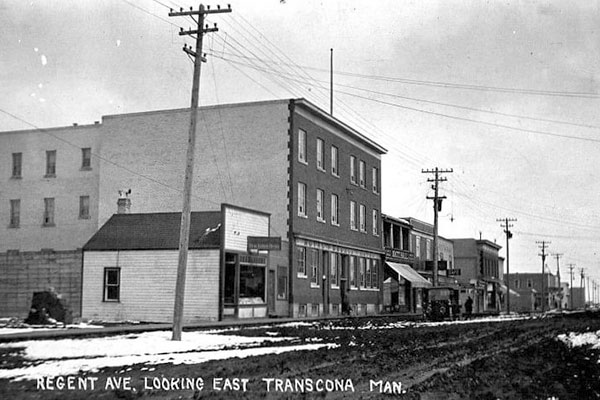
211,247
331,119
245,209
187,109
96,124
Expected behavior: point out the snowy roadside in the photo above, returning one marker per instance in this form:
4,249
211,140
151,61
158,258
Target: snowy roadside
63,357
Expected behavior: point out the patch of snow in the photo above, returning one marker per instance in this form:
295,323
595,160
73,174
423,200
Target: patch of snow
76,366
43,59
574,339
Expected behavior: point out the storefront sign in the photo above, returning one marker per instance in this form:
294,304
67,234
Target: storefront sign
453,272
264,243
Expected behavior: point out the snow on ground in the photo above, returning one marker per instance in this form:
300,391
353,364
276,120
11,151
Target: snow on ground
8,330
70,356
574,339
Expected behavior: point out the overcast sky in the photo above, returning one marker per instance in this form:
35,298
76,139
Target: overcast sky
505,93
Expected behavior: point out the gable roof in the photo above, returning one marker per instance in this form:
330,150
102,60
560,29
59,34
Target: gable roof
156,231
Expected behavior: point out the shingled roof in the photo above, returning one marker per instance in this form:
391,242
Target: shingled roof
156,231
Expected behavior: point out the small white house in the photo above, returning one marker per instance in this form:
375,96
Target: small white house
130,267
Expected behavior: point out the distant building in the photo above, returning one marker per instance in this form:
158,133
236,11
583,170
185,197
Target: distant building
551,290
479,276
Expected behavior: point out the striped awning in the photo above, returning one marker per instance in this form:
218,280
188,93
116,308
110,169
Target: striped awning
406,272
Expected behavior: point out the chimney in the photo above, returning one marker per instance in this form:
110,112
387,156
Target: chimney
124,202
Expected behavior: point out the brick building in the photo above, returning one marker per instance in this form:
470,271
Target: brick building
318,178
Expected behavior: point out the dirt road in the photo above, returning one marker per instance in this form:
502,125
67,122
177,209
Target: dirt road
376,357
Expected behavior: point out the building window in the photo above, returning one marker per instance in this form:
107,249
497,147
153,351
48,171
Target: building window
375,274
112,284
17,165
302,146
352,271
48,211
282,282
428,249
314,267
353,169
15,213
84,207
418,246
361,218
334,268
529,283
334,210
375,179
517,284
320,206
334,161
362,174
353,215
320,155
375,222
368,274
301,199
361,271
252,282
86,158
301,260
51,163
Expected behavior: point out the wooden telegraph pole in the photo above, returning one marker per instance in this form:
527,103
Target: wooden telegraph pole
509,235
437,206
543,245
184,232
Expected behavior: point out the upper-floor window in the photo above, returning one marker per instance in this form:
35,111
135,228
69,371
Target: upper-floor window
353,169
529,283
17,165
362,223
418,246
301,146
48,211
353,215
51,163
375,222
320,207
375,179
334,210
334,161
86,158
362,174
301,199
320,154
15,213
428,249
301,260
517,284
84,207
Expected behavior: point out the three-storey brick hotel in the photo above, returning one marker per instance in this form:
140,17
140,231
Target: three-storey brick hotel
318,179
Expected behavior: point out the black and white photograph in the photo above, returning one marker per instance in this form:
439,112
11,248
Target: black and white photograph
298,199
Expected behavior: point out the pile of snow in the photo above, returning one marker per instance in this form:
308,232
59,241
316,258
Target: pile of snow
71,356
574,339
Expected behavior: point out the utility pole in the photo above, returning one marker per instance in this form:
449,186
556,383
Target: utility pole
543,246
558,256
571,266
437,206
582,284
184,232
589,296
331,82
508,233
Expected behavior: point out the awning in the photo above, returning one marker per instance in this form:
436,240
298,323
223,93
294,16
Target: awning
409,274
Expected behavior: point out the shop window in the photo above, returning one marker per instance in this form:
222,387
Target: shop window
361,271
368,274
229,279
282,283
301,260
314,267
112,284
352,271
375,274
302,310
252,284
334,269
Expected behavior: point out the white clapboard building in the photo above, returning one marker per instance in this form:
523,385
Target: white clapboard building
130,267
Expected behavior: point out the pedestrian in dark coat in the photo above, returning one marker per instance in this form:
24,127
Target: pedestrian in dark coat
468,306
